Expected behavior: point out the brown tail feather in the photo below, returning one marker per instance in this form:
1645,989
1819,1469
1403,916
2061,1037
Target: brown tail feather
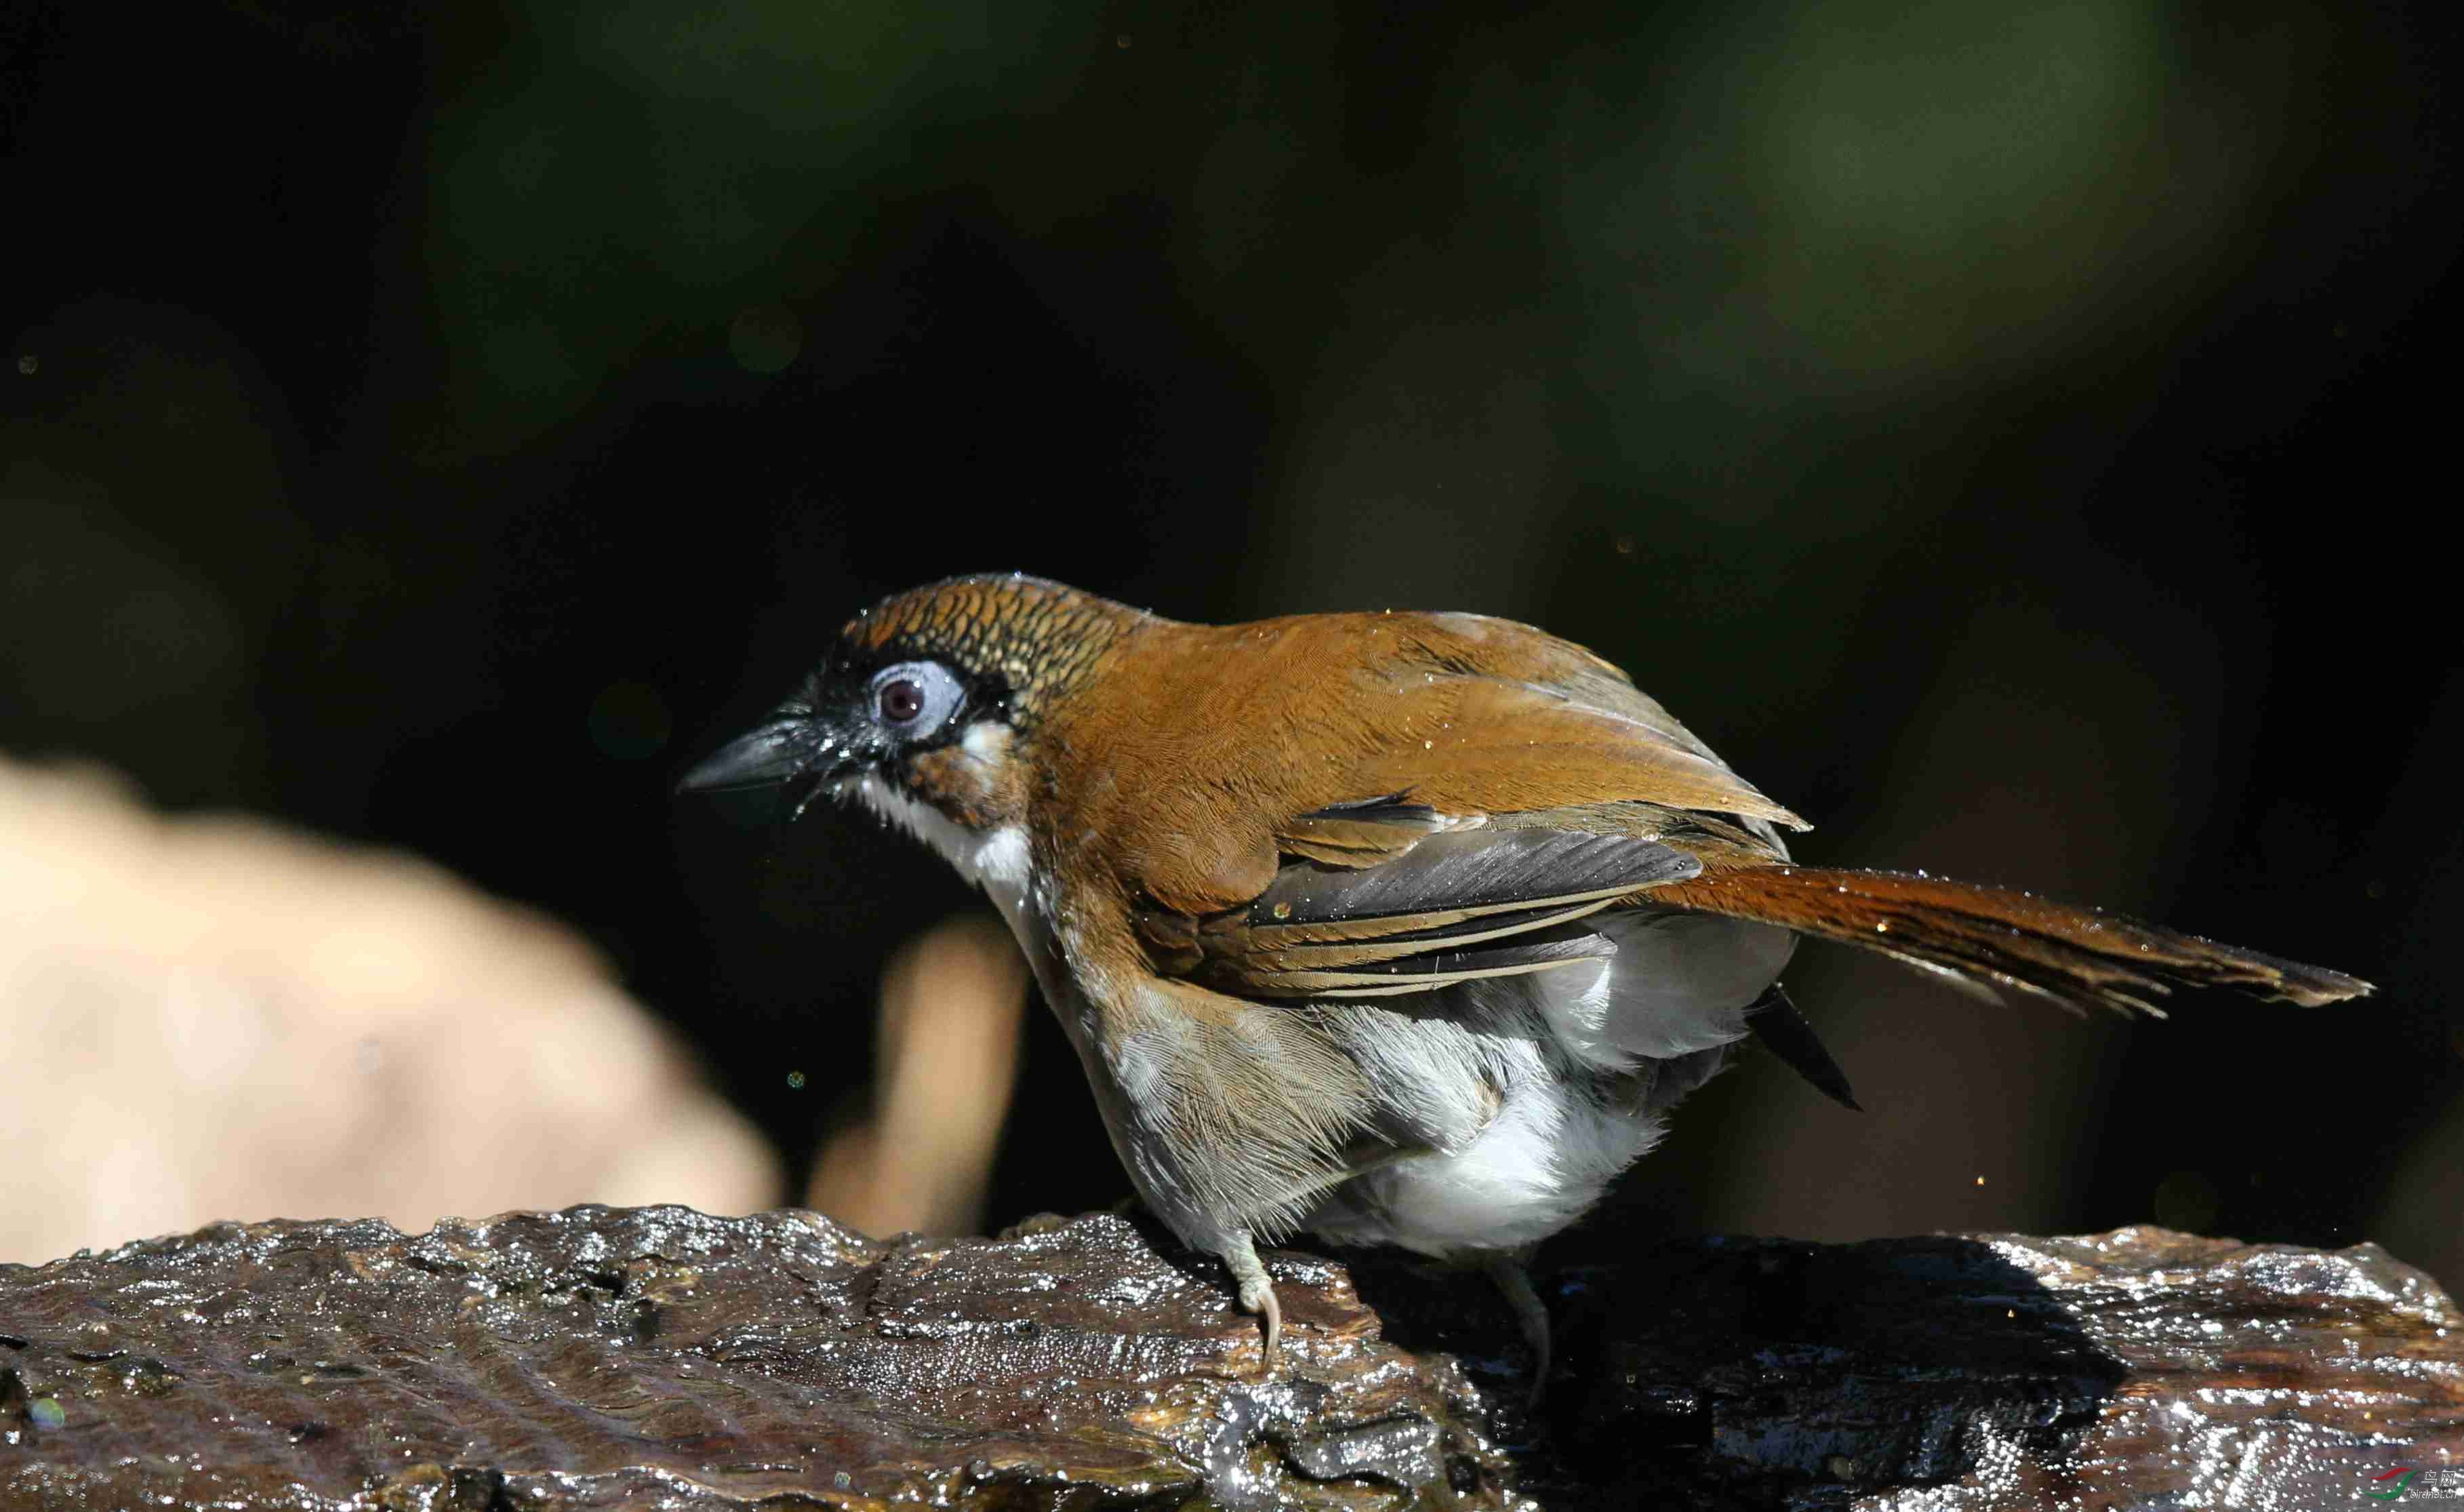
2080,957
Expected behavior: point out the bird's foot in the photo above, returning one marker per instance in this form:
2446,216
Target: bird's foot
1509,1269
1257,1292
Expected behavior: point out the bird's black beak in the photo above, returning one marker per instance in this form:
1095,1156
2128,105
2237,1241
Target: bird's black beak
759,758
790,745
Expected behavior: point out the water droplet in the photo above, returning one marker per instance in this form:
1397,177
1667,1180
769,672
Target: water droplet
1283,910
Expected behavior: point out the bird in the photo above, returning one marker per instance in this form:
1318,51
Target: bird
1393,928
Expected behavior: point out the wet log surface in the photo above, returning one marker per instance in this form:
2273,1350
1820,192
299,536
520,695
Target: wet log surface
605,1357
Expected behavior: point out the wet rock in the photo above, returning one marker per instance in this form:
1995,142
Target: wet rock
2135,1369
601,1357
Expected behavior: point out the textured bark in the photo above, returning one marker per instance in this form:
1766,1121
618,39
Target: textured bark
603,1357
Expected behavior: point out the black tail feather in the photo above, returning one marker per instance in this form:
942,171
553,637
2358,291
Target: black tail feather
1785,1034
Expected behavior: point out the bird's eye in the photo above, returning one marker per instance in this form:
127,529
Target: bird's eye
916,697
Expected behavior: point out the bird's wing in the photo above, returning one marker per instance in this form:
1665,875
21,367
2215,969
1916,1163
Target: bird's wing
1485,745
1583,749
1432,742
1453,907
1360,748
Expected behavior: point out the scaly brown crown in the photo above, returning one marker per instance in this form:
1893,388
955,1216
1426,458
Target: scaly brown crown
1031,639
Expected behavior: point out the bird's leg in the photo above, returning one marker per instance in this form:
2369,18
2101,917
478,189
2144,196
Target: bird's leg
1509,1269
1257,1290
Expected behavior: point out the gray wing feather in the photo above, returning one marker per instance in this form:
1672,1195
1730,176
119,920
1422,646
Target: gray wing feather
1475,869
1457,907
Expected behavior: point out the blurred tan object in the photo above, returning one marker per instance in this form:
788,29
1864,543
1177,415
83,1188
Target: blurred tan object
952,1001
213,1017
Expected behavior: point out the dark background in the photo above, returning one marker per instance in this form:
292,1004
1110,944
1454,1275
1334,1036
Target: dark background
2014,436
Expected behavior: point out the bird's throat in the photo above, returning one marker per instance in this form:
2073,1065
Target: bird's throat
993,860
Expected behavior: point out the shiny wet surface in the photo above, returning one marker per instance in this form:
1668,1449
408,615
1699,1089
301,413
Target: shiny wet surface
600,1357
597,1358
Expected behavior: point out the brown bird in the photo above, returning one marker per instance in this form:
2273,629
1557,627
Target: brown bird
1398,928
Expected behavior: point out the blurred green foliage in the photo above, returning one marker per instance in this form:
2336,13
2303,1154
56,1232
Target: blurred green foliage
1787,213
615,169
1739,209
